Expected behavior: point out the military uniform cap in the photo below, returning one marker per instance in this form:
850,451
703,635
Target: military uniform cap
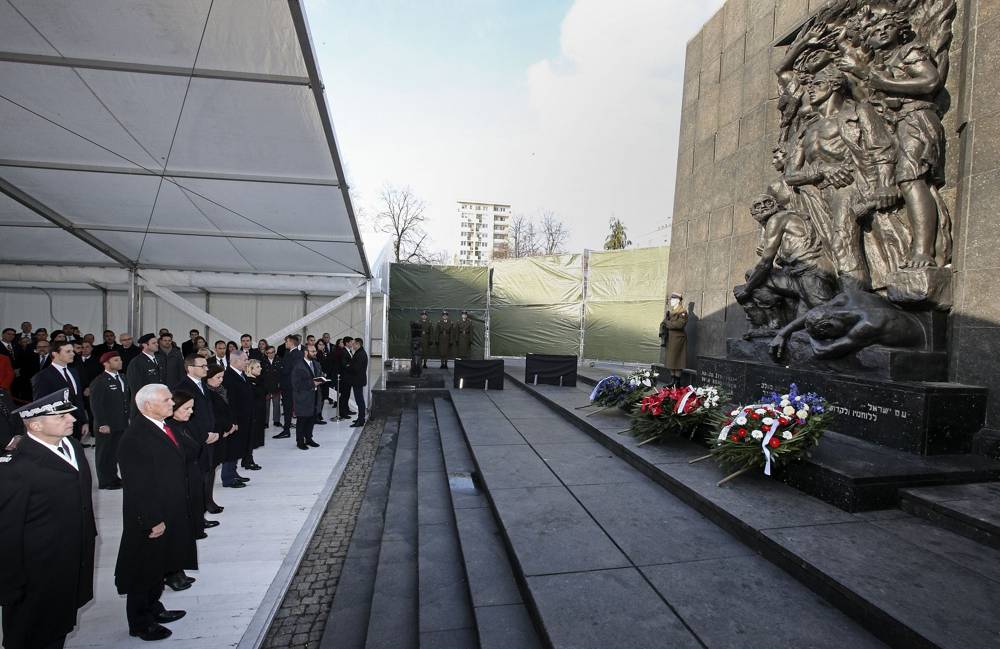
57,403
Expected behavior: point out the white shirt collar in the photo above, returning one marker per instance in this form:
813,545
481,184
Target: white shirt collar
151,356
159,424
71,460
114,374
58,366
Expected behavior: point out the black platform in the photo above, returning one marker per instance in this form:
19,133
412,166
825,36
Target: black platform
917,417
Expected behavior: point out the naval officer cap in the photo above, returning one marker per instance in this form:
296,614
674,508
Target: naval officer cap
57,403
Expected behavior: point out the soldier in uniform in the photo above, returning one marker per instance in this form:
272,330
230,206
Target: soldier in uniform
463,335
426,337
145,368
444,335
110,402
47,527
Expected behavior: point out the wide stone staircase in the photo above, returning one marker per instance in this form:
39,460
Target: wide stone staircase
512,519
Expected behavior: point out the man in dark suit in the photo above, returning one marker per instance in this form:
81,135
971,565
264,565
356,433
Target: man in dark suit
110,405
144,369
270,375
157,537
170,359
240,395
129,349
58,375
88,366
219,358
246,346
8,347
34,359
47,527
188,346
109,345
343,381
201,425
358,378
304,383
293,353
26,332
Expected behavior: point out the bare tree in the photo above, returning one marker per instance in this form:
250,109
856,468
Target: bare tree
554,234
522,239
401,214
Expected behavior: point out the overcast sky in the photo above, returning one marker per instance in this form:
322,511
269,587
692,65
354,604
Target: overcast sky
571,106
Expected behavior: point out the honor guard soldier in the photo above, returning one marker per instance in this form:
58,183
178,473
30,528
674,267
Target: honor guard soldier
426,337
47,527
445,337
463,334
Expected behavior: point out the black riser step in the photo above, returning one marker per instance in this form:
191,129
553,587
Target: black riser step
972,510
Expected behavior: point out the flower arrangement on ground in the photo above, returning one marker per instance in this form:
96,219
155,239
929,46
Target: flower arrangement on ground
672,411
779,429
615,391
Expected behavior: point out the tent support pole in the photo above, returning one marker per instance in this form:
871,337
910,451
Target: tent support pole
368,333
134,303
193,310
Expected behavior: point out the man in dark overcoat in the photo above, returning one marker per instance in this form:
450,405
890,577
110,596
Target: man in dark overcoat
357,375
47,527
58,375
304,394
110,403
156,536
239,391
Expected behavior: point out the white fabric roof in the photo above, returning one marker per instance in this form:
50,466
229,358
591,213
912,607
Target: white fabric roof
169,134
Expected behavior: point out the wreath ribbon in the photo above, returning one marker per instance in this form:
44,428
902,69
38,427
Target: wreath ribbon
763,446
680,406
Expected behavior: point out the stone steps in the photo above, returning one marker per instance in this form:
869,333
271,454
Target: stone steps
423,526
972,510
908,582
605,557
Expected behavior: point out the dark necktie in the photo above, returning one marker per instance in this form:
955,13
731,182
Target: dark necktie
63,449
118,377
69,382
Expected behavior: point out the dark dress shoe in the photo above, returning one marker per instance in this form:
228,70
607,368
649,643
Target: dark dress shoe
235,485
214,509
312,444
210,524
154,632
282,435
200,536
357,424
242,479
321,422
176,582
302,447
351,412
111,487
253,467
165,617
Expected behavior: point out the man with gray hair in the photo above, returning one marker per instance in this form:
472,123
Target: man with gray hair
157,538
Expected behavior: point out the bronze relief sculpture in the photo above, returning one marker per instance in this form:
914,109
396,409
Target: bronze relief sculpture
855,231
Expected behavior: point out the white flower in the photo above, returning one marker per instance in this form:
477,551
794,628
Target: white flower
646,382
805,406
760,411
798,398
802,414
742,421
788,410
767,421
757,434
734,413
785,402
787,434
784,397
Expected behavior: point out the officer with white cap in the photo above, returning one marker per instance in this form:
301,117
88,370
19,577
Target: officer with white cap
47,527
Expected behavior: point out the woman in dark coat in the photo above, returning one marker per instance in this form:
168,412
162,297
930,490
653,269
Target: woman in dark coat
183,406
323,358
674,338
336,362
260,392
225,424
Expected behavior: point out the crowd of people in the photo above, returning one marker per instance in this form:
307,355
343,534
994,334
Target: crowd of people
165,420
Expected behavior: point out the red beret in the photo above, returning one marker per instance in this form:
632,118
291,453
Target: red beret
107,356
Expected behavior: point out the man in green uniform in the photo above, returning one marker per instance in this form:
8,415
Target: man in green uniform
463,334
444,335
426,337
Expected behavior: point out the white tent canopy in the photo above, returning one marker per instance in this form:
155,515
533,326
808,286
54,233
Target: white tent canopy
176,135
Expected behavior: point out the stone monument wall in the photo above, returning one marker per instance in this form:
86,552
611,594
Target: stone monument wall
729,126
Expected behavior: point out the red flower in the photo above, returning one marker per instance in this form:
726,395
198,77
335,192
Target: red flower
784,421
742,432
734,438
774,443
754,415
